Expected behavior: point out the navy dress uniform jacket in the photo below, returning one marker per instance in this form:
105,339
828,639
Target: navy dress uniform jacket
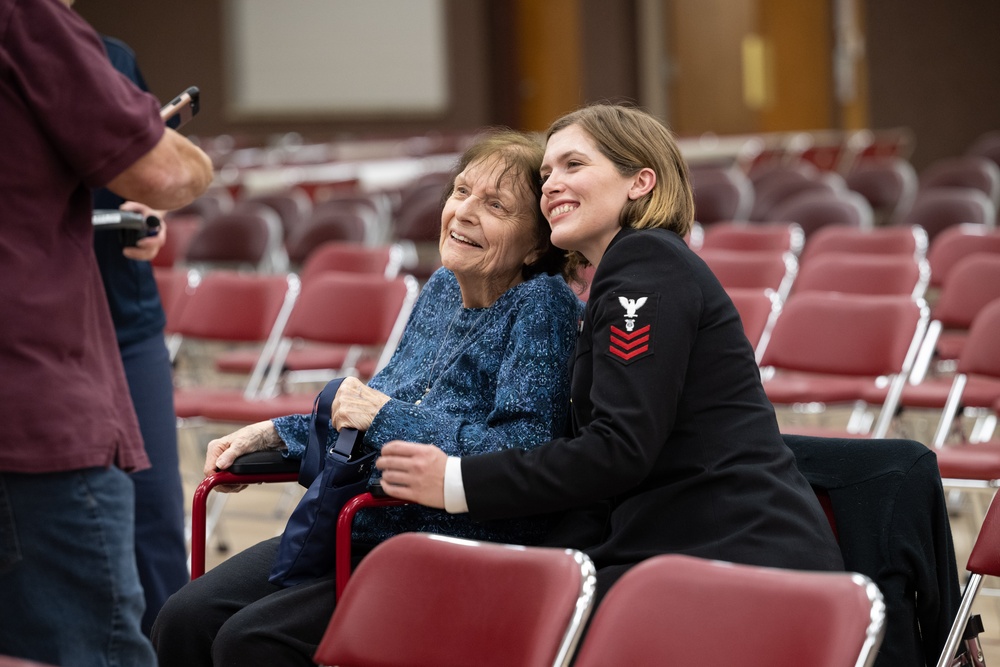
671,429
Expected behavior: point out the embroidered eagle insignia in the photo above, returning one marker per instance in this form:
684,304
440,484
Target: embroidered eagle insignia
632,305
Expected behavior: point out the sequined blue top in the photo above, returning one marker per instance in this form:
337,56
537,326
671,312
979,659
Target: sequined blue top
485,378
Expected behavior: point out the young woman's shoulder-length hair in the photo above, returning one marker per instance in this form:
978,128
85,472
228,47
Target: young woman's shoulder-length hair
633,139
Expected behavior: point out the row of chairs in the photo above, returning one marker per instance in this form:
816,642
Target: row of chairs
664,606
948,247
326,322
495,604
505,604
875,193
855,330
278,231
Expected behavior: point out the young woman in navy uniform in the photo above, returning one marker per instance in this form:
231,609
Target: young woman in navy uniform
671,431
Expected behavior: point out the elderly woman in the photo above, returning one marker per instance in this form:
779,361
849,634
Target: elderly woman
482,366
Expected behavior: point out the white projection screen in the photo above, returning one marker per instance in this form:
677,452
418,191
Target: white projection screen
326,58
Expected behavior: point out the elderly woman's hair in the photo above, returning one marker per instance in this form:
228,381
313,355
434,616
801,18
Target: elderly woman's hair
521,160
633,139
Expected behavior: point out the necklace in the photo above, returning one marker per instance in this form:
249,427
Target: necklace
441,346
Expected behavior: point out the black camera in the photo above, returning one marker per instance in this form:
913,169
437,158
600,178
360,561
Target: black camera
131,226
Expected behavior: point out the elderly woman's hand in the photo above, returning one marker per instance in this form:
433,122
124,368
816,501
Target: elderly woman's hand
356,405
223,451
414,472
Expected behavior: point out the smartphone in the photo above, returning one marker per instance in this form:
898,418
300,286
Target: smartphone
182,108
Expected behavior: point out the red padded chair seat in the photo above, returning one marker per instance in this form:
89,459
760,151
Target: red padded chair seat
306,357
979,392
189,402
239,410
790,387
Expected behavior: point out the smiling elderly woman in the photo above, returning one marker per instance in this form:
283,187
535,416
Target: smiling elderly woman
482,366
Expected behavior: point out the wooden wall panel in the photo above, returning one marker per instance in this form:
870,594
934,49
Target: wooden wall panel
802,39
704,40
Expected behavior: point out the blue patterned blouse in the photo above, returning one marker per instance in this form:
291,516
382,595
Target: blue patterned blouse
469,380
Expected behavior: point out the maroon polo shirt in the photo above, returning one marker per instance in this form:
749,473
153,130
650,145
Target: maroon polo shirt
70,122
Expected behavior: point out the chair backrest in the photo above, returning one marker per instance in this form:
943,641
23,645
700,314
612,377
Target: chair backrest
418,218
180,230
324,226
971,284
888,183
680,610
964,171
775,191
721,194
816,209
864,274
230,306
346,309
420,599
938,209
898,240
374,207
215,201
175,285
292,205
383,260
983,561
847,334
250,238
740,235
766,171
235,306
985,556
758,269
759,310
957,242
981,352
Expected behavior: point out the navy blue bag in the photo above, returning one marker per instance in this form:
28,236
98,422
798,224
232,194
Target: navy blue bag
332,477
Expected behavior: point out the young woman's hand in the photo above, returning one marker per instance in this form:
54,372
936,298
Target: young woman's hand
413,472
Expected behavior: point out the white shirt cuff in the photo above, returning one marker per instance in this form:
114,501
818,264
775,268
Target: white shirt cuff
454,490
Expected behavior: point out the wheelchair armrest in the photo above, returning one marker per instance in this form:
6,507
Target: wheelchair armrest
264,462
254,468
345,521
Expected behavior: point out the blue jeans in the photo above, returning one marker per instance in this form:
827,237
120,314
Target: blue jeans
69,589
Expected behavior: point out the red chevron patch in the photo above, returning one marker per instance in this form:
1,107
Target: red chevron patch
629,345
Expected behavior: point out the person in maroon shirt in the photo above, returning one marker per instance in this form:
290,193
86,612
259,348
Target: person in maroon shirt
69,592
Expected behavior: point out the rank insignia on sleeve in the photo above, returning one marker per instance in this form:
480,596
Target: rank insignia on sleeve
630,336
